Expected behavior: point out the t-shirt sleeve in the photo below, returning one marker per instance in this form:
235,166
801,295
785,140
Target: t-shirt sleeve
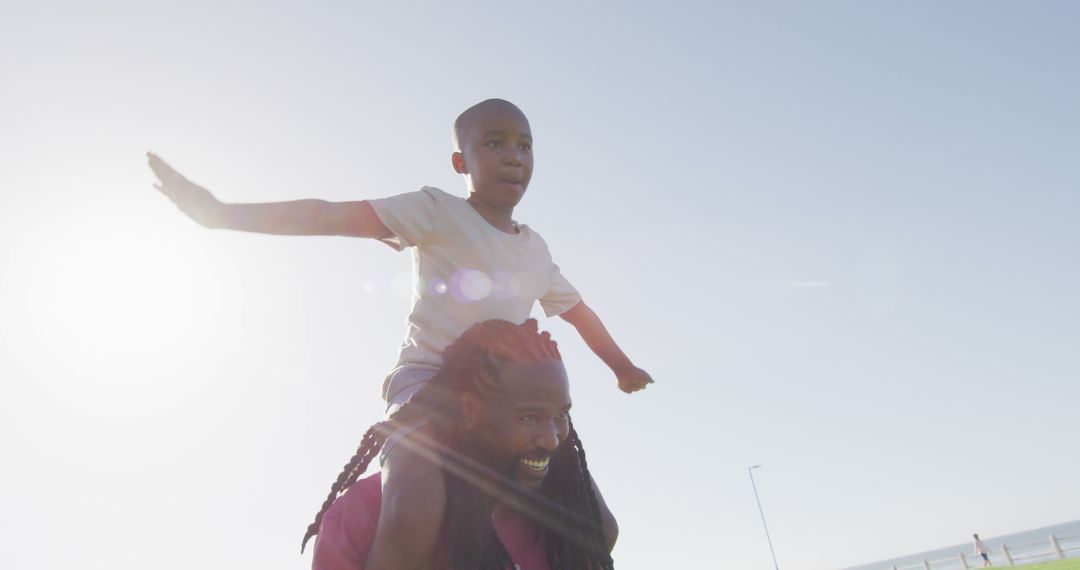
561,296
348,529
411,216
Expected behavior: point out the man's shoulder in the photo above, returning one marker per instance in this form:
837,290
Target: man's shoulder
363,496
348,527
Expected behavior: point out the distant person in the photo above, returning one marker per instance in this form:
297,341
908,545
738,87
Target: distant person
982,550
472,262
518,489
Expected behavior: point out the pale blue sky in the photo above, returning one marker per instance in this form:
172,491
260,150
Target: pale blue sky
842,236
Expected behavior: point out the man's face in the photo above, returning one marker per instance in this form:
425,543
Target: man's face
496,155
527,419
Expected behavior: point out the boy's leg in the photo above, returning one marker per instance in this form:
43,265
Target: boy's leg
413,502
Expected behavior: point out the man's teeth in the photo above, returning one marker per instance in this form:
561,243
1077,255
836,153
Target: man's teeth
537,464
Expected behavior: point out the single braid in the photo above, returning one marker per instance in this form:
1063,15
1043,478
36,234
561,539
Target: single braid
574,532
369,447
605,561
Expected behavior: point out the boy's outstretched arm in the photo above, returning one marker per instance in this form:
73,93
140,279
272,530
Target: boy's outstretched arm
592,331
298,217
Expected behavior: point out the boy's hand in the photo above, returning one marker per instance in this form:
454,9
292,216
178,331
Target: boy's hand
193,200
633,379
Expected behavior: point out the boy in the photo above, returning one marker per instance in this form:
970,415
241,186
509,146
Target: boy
473,263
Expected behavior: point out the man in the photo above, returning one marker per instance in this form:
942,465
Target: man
518,490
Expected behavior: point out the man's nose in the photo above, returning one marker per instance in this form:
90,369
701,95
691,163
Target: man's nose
547,437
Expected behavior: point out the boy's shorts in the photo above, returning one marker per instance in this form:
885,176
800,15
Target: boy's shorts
401,385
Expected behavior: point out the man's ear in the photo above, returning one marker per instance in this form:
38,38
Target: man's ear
470,410
458,160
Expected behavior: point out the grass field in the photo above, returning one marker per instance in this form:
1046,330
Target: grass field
1073,564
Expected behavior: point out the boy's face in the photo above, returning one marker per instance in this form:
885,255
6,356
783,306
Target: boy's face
496,155
526,419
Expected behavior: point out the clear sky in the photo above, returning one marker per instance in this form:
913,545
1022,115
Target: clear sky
842,236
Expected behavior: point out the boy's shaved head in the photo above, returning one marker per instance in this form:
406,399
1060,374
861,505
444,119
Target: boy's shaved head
467,118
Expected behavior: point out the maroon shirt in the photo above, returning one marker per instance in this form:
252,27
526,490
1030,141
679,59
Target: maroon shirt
348,529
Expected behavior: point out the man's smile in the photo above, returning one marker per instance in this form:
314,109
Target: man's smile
538,466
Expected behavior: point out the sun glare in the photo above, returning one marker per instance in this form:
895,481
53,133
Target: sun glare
111,311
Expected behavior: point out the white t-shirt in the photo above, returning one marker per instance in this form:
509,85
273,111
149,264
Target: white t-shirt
466,271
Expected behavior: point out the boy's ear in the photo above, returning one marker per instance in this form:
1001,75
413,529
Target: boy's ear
458,160
470,410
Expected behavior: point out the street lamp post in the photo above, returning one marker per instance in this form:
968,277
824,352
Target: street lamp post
750,470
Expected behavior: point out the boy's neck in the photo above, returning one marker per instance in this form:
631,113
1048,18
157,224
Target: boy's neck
501,218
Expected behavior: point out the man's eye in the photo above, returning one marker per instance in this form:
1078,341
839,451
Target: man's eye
526,147
494,144
530,418
565,415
